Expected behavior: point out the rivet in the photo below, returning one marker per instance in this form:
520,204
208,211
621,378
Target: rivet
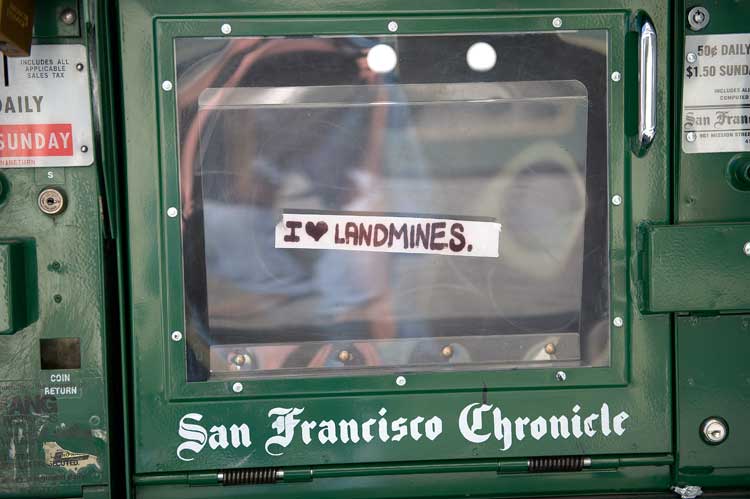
226,28
561,376
617,321
400,381
550,348
166,85
393,26
557,22
617,200
172,212
68,16
746,248
616,76
176,336
691,136
691,57
447,351
345,356
84,149
79,66
237,387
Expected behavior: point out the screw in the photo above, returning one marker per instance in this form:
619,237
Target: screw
691,136
166,85
691,57
237,387
618,322
617,200
176,336
172,212
84,149
226,28
557,22
68,16
79,66
714,430
345,356
746,248
51,201
561,376
393,26
616,76
550,348
401,381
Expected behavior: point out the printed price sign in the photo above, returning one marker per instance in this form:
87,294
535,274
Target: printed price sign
388,233
45,109
716,97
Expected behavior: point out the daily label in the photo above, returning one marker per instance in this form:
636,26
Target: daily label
716,94
45,109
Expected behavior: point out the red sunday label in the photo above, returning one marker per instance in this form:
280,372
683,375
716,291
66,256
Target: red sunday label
27,141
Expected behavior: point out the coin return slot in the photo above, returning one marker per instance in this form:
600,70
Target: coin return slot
60,353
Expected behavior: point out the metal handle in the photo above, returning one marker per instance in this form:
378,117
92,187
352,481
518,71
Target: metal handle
647,86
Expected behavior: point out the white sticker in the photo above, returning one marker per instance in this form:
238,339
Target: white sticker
388,234
45,109
716,96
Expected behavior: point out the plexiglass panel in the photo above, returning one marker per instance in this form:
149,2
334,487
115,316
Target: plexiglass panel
353,204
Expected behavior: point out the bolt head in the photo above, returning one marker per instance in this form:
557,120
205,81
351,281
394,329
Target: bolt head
714,430
557,22
176,335
226,28
617,200
746,248
345,356
691,136
616,76
393,26
550,348
237,387
447,351
84,148
172,212
561,376
401,381
618,322
166,85
691,57
79,66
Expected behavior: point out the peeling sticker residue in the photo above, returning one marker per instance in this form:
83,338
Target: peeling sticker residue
56,456
100,434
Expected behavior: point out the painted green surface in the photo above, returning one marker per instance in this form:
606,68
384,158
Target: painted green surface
67,290
713,379
47,23
640,375
696,268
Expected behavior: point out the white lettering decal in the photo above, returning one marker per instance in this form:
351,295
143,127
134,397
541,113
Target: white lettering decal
195,435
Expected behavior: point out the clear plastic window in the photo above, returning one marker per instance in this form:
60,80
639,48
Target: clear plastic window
394,202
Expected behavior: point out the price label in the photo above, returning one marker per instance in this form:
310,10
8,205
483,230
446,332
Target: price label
716,94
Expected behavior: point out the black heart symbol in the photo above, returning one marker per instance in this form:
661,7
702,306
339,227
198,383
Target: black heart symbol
317,230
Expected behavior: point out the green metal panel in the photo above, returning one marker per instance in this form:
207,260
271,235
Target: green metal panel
58,408
695,267
713,379
703,191
47,22
639,378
